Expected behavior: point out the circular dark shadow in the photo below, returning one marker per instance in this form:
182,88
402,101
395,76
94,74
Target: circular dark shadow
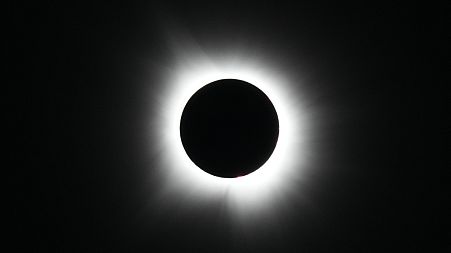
229,128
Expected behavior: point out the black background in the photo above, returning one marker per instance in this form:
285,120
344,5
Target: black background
78,68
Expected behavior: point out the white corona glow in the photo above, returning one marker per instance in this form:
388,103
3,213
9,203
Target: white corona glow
254,193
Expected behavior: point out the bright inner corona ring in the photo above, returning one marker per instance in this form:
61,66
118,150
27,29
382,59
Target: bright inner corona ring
183,179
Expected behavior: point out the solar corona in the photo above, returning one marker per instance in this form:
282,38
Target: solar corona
278,164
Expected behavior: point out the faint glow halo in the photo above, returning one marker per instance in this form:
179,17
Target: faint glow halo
182,177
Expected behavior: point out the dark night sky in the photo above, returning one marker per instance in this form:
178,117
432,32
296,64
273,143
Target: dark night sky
80,70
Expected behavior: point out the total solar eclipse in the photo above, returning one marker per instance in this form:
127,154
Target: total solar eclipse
229,128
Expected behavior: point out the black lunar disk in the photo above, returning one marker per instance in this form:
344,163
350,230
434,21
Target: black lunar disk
229,128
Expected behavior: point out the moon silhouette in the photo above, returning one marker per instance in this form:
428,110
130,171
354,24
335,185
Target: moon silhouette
229,128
